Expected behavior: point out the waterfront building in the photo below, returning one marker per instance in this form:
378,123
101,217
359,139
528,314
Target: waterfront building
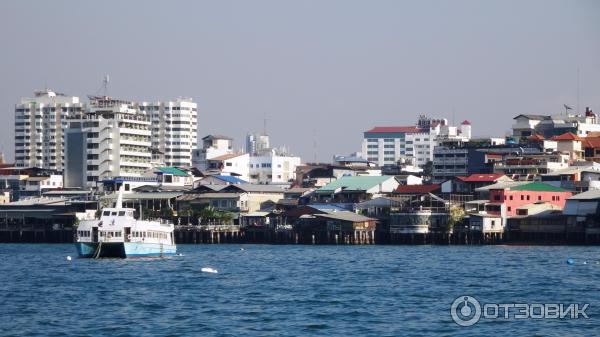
506,197
387,145
29,182
39,128
348,189
174,129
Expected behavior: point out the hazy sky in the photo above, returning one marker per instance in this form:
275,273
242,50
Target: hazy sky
325,70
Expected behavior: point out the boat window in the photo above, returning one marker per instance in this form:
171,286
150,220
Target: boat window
106,213
121,213
114,213
144,234
118,234
130,213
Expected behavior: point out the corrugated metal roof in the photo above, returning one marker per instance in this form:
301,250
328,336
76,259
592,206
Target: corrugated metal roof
231,179
345,216
537,187
143,196
174,171
589,195
394,129
359,183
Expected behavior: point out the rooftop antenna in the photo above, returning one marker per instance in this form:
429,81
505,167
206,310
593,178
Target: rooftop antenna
314,146
105,81
265,124
578,91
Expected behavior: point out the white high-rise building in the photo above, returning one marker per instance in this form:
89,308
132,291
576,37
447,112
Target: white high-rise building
388,145
39,128
117,143
174,129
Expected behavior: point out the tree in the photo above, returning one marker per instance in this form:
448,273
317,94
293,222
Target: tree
428,170
457,214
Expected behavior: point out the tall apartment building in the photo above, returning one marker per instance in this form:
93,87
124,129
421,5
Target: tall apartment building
39,128
174,129
111,140
387,145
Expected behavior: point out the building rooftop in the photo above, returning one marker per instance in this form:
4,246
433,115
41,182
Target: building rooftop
589,195
417,189
478,177
226,156
231,179
566,136
172,170
354,183
537,187
394,129
345,216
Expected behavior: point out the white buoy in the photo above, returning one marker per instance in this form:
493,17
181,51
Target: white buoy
68,258
242,249
209,270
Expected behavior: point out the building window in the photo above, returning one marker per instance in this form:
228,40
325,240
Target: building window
509,209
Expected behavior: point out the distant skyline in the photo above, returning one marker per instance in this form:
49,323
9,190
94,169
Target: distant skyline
319,70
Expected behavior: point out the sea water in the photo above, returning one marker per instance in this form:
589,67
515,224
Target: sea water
292,290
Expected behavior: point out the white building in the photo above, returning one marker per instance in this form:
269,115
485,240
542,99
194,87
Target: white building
388,145
273,168
174,129
549,126
39,125
235,164
112,140
212,146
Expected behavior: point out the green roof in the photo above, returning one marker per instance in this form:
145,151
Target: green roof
173,170
538,187
361,183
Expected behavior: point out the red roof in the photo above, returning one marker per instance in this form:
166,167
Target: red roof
417,189
592,142
536,138
566,136
466,122
404,129
478,177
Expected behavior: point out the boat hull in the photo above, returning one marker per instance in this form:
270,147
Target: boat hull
124,249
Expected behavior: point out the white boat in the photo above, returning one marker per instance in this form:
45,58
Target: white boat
118,234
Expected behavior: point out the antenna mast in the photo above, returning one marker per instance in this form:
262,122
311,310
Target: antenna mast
105,81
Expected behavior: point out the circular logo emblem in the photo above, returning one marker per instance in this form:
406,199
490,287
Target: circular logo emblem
465,311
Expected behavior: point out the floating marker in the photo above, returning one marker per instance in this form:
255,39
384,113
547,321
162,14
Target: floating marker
570,261
584,262
209,270
242,249
69,258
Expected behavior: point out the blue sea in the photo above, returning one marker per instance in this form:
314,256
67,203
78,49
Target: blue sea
270,290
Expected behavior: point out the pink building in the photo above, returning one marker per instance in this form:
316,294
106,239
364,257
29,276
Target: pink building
516,196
